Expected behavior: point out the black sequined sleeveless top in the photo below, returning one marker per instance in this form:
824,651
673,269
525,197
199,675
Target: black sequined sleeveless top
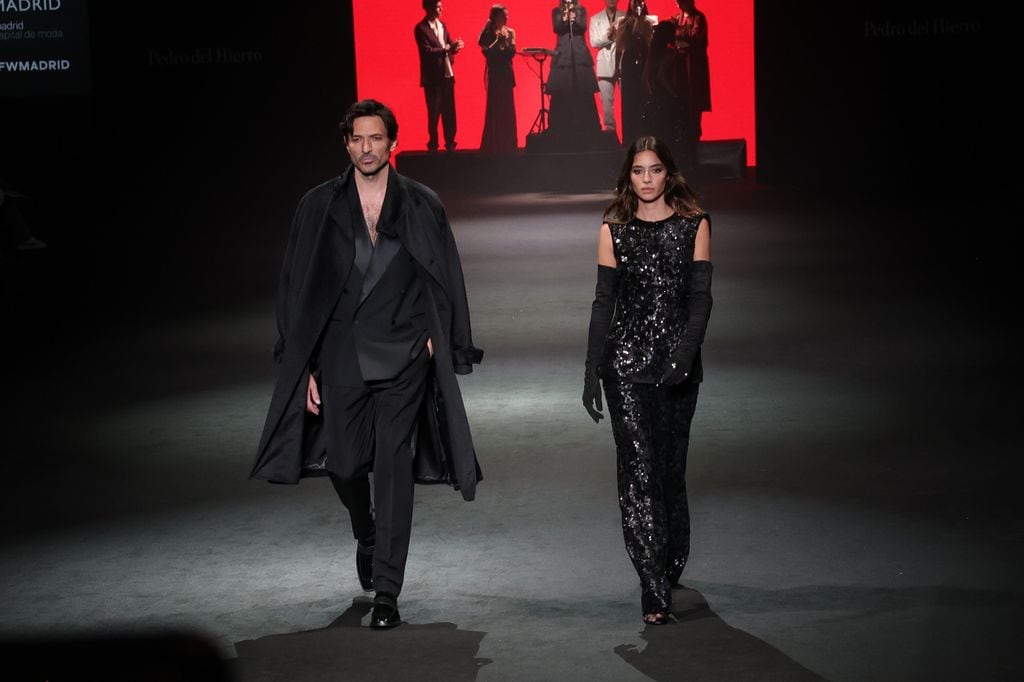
655,260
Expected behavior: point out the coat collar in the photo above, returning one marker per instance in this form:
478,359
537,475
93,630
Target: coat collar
425,23
395,199
402,216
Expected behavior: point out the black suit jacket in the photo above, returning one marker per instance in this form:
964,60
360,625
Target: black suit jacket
318,260
432,52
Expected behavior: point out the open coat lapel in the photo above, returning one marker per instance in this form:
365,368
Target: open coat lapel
387,246
421,236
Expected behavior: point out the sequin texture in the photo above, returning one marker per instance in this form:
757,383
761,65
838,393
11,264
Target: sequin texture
654,263
651,425
651,422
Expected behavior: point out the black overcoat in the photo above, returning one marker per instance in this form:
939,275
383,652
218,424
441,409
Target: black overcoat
317,261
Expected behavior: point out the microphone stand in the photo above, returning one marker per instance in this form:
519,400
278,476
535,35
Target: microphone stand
572,65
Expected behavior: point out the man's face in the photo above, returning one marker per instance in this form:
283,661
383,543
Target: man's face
685,5
611,4
368,145
435,11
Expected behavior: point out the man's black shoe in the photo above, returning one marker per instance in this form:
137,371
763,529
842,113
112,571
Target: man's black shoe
385,612
364,566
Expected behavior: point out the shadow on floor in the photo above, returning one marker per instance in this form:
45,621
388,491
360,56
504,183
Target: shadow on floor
172,656
346,649
698,645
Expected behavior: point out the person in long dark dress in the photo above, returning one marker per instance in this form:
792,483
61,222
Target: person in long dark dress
650,312
633,41
663,114
572,81
692,75
498,42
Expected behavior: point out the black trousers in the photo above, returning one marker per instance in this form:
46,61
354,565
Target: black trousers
374,424
651,425
441,104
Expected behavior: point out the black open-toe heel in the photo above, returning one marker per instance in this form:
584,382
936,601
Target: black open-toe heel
654,607
656,618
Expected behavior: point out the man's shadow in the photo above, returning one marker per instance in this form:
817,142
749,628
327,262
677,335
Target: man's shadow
349,650
698,645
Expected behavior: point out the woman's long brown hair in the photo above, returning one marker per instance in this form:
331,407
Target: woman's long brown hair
678,194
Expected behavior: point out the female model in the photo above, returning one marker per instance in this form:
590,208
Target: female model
650,312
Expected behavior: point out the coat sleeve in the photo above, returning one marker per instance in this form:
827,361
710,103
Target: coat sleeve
284,282
464,353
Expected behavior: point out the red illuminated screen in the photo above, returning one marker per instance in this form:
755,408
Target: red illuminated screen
387,64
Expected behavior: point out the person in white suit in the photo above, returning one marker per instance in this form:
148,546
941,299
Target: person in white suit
602,37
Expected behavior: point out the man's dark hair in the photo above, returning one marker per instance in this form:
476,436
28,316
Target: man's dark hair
428,5
369,107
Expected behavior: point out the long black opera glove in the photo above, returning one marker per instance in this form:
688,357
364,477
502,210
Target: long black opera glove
681,361
600,321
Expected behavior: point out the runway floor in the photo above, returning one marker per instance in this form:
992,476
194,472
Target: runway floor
852,473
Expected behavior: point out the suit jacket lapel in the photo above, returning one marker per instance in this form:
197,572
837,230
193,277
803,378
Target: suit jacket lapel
431,32
360,233
385,250
419,240
372,260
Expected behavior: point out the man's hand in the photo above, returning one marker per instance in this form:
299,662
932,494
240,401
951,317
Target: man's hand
457,45
312,397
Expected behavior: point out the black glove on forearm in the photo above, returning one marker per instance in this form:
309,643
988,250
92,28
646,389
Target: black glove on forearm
681,361
600,321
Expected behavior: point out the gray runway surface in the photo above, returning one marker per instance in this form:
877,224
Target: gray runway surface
852,469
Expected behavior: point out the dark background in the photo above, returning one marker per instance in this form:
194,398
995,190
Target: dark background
840,103
160,177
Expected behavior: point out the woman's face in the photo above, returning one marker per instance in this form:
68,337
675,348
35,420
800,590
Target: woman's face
648,176
500,19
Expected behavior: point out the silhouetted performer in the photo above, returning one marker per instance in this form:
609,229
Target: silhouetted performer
373,326
437,54
572,82
651,309
663,113
498,42
603,29
692,74
633,40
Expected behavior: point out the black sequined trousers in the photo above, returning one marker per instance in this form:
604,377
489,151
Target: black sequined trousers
651,424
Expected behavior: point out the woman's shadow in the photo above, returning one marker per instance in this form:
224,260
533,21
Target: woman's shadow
348,649
698,645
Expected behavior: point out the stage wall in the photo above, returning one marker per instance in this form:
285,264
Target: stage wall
387,64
